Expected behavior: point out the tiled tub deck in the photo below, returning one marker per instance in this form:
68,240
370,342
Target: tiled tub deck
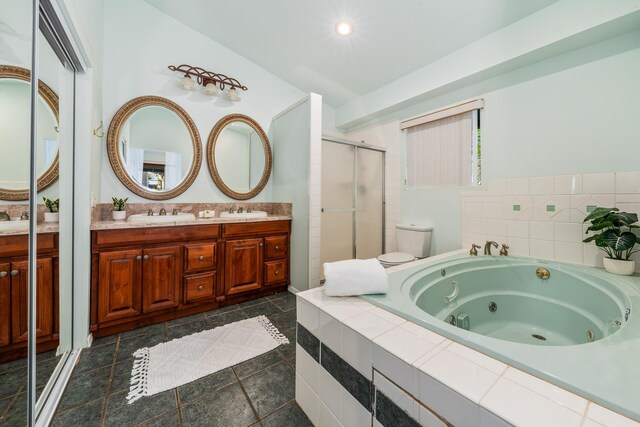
359,365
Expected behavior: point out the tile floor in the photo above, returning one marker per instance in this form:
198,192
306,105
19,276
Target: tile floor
258,392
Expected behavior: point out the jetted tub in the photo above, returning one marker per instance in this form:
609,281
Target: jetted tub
577,328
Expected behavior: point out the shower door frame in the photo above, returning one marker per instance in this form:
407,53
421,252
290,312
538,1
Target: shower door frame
358,145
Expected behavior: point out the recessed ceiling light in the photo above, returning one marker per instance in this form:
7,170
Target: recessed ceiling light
344,28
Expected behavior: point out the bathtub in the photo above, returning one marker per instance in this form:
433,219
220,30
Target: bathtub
576,327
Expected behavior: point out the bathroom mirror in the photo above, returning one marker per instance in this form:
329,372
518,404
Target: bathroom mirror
239,156
154,147
15,103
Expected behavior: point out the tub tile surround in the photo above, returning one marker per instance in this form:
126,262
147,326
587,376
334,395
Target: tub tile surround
542,217
416,376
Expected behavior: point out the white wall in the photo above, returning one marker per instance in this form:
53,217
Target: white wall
140,42
574,113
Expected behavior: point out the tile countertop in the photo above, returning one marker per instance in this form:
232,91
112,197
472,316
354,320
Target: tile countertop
115,225
45,227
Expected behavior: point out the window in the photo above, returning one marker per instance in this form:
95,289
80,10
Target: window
443,149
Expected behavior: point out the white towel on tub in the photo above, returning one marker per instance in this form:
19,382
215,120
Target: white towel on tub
355,277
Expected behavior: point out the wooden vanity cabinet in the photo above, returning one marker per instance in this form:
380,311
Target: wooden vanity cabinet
14,279
148,275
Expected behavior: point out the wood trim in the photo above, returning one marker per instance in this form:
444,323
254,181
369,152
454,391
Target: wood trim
49,176
242,229
18,245
152,235
453,110
113,136
213,169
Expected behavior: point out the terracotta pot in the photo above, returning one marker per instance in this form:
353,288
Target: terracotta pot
619,266
119,215
51,216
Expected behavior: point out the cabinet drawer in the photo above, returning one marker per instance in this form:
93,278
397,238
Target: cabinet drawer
199,287
200,257
275,272
275,247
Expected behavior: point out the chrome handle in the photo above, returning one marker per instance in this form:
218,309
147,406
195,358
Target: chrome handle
14,272
201,287
146,257
201,257
456,290
139,257
3,274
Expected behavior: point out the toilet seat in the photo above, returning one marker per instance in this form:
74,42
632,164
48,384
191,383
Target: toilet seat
395,258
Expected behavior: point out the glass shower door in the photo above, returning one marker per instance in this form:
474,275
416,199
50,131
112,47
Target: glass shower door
369,203
338,203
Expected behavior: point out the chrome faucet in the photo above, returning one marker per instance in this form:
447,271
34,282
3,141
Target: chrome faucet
248,210
474,249
487,246
230,210
24,216
175,212
150,212
504,251
4,216
163,212
240,210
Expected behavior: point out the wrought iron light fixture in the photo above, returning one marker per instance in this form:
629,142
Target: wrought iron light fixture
214,84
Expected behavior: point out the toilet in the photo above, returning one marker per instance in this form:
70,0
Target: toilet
414,243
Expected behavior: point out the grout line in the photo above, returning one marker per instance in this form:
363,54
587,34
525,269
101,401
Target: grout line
103,415
246,395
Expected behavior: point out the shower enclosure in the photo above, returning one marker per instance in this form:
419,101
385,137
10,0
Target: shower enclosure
352,200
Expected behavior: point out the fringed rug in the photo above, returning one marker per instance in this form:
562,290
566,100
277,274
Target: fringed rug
171,364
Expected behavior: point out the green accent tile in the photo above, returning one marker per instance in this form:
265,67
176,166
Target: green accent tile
591,208
516,208
551,208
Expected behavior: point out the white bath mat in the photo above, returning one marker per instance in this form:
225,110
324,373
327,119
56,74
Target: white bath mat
180,361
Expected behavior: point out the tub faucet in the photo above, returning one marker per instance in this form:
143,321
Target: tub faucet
474,249
150,212
240,210
487,246
163,212
175,212
4,216
504,251
24,216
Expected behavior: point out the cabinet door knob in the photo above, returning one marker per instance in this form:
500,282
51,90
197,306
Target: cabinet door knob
139,257
201,287
277,248
14,272
276,272
146,257
201,257
3,274
261,244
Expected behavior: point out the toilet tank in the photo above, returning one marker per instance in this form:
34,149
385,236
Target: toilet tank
414,240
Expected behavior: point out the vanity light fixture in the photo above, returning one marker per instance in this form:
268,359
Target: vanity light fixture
214,84
344,28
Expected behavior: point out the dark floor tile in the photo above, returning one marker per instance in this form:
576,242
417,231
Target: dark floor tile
121,376
271,388
84,388
13,365
283,321
17,414
253,302
41,357
129,346
10,382
4,403
44,370
109,339
88,415
96,357
147,330
284,294
119,413
226,318
170,420
292,362
257,364
205,385
285,303
289,416
264,309
222,310
288,350
227,407
187,319
189,328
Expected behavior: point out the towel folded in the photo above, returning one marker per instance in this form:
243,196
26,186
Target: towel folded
355,277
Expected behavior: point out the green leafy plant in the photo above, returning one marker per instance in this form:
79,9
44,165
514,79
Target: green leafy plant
119,204
613,232
52,205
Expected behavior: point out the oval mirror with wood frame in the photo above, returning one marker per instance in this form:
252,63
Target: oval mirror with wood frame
239,156
15,104
154,147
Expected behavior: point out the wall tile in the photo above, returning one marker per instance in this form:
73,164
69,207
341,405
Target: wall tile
352,380
597,183
357,351
627,182
353,413
544,249
517,246
389,414
609,418
308,342
541,230
330,332
518,229
428,418
496,227
308,400
517,186
568,232
328,391
497,187
308,315
399,397
541,185
568,252
327,418
567,184
591,255
492,210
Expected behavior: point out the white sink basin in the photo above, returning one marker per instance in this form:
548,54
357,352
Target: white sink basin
14,225
161,218
244,215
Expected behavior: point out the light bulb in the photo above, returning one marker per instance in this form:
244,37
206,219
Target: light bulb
233,96
186,83
344,28
211,89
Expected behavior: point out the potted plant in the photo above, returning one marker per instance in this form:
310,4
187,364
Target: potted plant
119,213
613,234
54,210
